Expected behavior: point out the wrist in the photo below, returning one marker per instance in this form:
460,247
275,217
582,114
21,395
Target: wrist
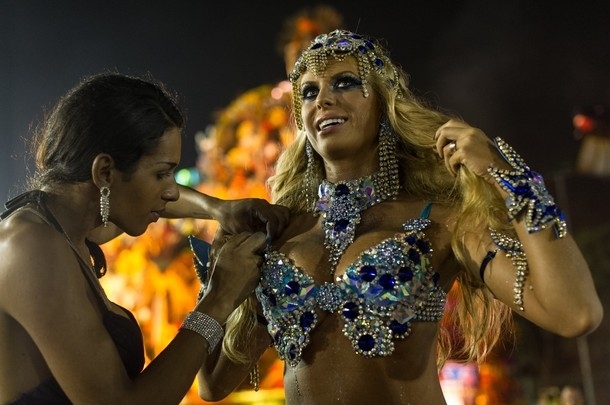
206,326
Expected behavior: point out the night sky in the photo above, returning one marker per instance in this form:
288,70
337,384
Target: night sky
517,69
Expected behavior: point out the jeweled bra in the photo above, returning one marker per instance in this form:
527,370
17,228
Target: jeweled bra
389,286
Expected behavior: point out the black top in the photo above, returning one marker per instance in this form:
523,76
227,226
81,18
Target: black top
125,332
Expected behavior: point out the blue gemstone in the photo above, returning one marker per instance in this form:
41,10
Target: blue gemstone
524,190
436,277
508,185
411,238
292,287
405,274
422,245
387,281
316,45
306,319
341,225
551,210
272,299
378,62
366,343
341,190
362,49
350,310
368,272
413,255
292,351
398,329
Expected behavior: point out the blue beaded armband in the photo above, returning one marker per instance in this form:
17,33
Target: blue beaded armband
527,192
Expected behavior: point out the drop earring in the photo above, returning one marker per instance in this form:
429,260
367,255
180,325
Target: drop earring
105,204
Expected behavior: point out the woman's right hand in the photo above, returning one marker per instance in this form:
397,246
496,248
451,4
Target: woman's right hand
235,271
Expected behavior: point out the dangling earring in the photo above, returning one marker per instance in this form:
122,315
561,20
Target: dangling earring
105,204
388,176
310,173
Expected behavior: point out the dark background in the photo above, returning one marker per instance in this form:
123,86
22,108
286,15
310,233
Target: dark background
516,69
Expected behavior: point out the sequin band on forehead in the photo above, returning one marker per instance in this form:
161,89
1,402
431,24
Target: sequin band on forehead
339,44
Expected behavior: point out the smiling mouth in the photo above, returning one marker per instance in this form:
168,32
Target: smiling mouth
329,122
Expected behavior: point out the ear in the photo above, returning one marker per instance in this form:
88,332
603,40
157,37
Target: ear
102,170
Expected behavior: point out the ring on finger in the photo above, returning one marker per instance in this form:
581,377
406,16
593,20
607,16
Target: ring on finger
452,147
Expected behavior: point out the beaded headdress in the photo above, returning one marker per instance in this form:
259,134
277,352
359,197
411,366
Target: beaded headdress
369,54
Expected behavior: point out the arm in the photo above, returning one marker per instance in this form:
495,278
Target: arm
235,216
248,214
559,294
64,321
222,373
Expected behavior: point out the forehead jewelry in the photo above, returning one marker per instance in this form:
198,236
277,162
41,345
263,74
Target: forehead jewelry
370,56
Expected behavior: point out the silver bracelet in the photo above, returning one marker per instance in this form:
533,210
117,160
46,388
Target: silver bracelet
527,193
206,326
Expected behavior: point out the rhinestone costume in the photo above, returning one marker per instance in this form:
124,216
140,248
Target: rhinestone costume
387,288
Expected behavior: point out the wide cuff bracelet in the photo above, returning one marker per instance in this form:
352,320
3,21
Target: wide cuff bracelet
527,192
206,326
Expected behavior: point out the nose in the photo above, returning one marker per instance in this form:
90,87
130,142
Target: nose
325,98
172,193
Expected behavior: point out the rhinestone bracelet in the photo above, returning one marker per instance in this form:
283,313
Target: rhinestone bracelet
513,250
206,326
527,192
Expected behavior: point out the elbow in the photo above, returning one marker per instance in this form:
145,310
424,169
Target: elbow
209,394
584,321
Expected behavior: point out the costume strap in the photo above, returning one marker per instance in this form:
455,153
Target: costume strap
425,212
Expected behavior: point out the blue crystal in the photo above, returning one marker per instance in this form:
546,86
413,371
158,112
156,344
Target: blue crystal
343,44
362,49
413,255
524,190
398,329
341,190
405,274
508,184
341,225
291,351
350,310
436,277
368,272
306,319
411,238
316,45
366,343
422,245
387,281
292,287
272,299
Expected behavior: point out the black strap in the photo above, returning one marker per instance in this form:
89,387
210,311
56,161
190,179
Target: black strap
490,255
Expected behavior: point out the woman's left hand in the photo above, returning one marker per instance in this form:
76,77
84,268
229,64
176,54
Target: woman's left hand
460,144
252,215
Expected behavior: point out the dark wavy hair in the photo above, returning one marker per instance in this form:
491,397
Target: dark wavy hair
112,113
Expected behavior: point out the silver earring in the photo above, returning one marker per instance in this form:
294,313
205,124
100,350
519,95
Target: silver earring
105,204
310,173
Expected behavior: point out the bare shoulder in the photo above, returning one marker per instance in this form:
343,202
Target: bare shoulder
33,256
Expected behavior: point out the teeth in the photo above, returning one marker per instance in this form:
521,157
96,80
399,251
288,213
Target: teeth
331,121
